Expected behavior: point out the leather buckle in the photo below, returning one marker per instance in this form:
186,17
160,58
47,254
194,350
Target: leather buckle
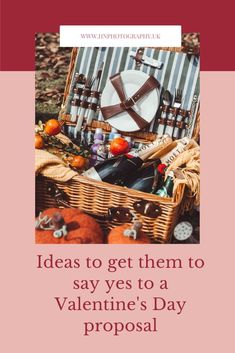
147,208
120,214
128,103
138,57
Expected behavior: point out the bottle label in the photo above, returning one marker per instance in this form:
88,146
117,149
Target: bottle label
162,192
182,146
92,173
151,148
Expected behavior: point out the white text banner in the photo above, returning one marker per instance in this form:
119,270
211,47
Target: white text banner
120,36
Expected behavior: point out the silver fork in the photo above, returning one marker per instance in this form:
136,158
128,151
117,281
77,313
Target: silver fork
178,98
177,117
81,111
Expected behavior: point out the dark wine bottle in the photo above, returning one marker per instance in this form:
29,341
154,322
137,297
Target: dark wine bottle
145,179
116,170
113,170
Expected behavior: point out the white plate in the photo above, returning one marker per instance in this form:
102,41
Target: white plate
146,107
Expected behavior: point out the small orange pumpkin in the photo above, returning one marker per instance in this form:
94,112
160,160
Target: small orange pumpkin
81,228
116,236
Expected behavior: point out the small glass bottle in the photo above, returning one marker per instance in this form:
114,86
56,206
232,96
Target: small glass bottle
129,140
98,136
116,135
112,133
167,188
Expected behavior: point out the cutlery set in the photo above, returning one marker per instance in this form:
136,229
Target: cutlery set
85,99
172,110
173,120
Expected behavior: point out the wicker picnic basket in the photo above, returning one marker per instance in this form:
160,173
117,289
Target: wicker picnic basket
97,197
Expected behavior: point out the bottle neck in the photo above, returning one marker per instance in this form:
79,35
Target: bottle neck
161,168
169,183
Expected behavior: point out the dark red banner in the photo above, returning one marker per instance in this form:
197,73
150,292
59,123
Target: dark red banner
22,19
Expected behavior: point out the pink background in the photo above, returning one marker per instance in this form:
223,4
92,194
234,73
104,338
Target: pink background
31,321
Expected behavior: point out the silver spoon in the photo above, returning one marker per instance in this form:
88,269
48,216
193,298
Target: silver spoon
166,98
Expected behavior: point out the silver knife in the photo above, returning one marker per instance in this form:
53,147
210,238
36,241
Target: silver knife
146,60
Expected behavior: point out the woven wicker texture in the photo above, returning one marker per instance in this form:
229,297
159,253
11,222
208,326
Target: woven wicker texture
97,197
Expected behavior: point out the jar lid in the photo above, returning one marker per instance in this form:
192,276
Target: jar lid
128,139
98,130
183,231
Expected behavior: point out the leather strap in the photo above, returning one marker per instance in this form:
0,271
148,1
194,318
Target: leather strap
170,122
75,102
162,121
179,124
93,106
84,104
95,94
138,57
126,104
87,105
86,92
78,91
148,86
